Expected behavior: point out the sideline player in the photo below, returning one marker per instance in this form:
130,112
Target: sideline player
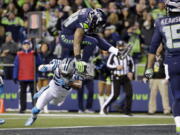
167,31
78,32
59,87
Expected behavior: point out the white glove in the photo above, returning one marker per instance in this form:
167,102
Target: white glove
113,50
42,68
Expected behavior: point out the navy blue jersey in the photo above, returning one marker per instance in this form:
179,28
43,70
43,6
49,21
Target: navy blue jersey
167,31
79,19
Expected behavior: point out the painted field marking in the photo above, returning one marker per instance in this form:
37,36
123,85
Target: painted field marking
73,127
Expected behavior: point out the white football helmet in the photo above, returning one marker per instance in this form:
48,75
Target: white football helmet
67,67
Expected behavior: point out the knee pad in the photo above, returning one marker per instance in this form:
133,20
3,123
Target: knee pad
35,110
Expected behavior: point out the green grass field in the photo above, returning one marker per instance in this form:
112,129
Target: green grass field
70,120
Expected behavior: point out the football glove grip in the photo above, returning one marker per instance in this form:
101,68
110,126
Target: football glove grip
80,66
149,73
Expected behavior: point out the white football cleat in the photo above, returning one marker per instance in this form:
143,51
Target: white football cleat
30,121
2,121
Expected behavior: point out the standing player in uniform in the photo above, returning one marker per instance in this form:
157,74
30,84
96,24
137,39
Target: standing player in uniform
167,31
78,33
59,87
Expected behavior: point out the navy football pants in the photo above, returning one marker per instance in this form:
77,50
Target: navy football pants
88,45
174,73
89,85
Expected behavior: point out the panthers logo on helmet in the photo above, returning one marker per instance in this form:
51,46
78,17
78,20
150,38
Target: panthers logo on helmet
67,66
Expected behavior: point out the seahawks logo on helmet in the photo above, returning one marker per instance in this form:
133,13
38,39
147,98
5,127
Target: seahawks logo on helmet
172,5
98,19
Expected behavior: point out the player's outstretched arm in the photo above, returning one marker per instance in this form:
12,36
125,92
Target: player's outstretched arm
42,68
49,67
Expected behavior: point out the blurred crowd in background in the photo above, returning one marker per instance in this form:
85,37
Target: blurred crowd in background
128,20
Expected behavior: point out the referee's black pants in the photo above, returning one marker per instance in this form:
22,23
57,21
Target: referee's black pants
117,82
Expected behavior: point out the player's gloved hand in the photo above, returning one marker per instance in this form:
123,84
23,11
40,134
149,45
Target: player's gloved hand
149,73
113,50
80,66
42,68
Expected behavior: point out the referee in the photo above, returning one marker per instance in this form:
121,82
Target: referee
122,73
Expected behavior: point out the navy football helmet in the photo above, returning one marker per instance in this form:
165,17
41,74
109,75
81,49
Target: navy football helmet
172,5
98,19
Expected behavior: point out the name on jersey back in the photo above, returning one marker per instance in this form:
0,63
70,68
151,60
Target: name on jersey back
165,21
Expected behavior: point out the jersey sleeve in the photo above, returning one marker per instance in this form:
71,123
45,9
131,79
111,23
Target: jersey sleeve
50,67
156,38
84,21
110,62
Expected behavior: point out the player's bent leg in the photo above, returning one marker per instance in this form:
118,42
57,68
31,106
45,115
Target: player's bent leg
38,94
88,44
60,97
32,119
43,100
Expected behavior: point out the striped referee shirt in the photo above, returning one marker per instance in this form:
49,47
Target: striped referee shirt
127,63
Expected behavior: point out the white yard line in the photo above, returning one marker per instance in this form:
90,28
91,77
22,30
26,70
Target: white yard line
88,115
73,127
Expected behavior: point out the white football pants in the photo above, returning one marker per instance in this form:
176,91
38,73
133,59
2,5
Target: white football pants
55,94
